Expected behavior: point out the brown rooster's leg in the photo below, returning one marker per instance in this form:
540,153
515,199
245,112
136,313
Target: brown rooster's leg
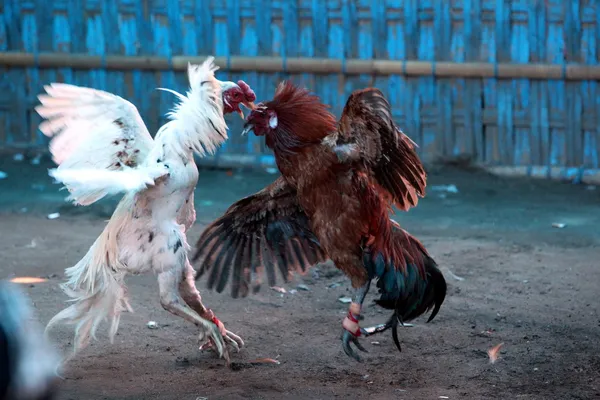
350,324
189,292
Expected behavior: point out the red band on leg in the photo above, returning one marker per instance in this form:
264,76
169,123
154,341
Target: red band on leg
352,317
219,325
353,322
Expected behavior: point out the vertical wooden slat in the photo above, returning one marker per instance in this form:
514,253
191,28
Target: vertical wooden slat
235,35
505,87
306,48
321,37
442,51
329,89
490,104
95,42
162,47
365,42
146,92
265,85
6,88
524,145
25,131
474,87
399,91
458,135
429,113
380,39
77,25
251,143
589,89
115,80
134,89
555,47
542,93
573,89
536,46
411,84
348,33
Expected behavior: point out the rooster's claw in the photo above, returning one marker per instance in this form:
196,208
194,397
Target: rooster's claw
348,338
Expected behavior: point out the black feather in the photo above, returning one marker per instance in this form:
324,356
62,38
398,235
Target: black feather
221,253
242,259
228,261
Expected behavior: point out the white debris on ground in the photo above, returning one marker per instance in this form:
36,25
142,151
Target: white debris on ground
451,274
54,215
444,188
36,160
152,325
345,300
558,225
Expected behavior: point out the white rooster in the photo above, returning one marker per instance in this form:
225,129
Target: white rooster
102,147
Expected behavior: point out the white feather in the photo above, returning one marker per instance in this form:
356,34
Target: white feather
85,183
88,146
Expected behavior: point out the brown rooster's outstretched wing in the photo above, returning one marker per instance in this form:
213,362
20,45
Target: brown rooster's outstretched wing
367,135
264,232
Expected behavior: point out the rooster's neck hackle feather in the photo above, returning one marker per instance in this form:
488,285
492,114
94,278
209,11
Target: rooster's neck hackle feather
192,128
303,120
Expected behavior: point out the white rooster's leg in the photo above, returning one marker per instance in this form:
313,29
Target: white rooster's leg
171,301
189,292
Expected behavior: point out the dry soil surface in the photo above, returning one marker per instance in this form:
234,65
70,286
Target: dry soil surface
528,285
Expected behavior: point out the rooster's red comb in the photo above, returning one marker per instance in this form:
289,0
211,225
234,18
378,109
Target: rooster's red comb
248,92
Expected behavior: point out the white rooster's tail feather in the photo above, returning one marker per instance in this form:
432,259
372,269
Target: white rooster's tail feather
87,185
98,292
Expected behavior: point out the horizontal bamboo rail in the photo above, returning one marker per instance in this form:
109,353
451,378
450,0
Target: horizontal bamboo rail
307,65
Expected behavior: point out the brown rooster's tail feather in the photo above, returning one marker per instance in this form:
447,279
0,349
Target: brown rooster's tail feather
409,280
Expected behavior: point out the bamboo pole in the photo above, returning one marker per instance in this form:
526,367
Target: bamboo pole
307,65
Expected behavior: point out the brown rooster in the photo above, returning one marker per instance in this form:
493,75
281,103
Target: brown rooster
333,200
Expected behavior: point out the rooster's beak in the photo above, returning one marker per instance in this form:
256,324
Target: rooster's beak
248,105
247,128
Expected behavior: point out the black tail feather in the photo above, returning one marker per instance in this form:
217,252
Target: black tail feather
411,291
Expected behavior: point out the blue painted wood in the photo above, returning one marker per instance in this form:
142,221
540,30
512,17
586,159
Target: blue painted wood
430,123
497,121
504,87
490,104
524,147
556,50
589,89
5,83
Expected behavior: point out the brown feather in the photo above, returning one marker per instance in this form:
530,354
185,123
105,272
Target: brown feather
262,233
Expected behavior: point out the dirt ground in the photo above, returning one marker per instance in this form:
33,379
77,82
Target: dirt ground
526,284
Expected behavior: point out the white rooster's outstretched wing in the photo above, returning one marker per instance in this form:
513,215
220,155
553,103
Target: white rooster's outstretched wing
97,135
